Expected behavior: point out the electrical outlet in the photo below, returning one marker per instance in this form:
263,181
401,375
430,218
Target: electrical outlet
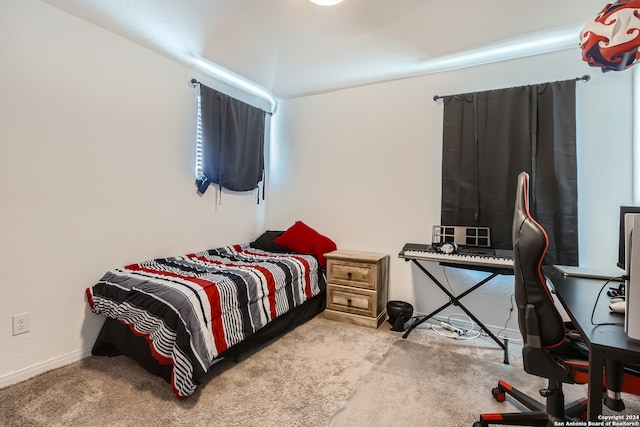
20,323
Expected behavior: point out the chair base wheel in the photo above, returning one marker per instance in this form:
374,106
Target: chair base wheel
499,394
537,414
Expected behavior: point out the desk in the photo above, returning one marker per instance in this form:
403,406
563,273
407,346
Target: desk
578,296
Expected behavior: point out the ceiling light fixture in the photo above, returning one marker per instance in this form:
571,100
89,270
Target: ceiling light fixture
611,40
326,2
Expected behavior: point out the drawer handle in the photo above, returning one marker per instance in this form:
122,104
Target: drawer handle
349,275
349,302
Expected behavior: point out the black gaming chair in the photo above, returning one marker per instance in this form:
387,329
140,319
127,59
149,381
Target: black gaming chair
550,348
541,326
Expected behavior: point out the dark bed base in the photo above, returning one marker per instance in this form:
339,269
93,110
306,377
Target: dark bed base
117,339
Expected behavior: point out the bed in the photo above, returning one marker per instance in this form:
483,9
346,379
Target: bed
178,316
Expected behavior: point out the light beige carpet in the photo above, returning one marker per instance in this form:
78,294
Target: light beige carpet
322,373
445,383
416,385
297,380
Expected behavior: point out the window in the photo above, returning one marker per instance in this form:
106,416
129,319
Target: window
229,142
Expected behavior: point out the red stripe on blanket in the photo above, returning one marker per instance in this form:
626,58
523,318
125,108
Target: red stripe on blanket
268,275
175,389
159,357
307,279
89,297
213,295
271,286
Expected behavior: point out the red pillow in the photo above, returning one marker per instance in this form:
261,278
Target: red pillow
305,240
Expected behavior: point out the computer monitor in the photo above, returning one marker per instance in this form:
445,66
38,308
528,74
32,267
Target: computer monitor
632,273
622,236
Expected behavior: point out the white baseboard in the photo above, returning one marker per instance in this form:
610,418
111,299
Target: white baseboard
74,356
42,367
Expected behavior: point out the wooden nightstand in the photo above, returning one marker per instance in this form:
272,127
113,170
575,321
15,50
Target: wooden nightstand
357,287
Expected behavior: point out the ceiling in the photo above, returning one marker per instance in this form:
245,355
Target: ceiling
292,48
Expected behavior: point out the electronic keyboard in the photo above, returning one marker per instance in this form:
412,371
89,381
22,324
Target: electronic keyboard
469,256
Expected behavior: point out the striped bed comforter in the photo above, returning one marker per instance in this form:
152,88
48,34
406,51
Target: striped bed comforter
191,308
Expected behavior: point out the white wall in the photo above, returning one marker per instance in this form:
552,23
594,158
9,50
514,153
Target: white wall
96,171
363,166
96,147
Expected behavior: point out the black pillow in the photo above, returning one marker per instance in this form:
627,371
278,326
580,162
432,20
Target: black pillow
265,242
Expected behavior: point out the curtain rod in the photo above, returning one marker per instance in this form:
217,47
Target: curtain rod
584,78
195,83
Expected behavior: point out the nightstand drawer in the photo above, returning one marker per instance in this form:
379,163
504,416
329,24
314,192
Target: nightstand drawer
351,300
347,273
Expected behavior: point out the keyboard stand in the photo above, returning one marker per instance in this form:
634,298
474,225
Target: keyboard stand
453,300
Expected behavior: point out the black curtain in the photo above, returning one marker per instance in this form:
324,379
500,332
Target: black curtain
489,138
232,142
